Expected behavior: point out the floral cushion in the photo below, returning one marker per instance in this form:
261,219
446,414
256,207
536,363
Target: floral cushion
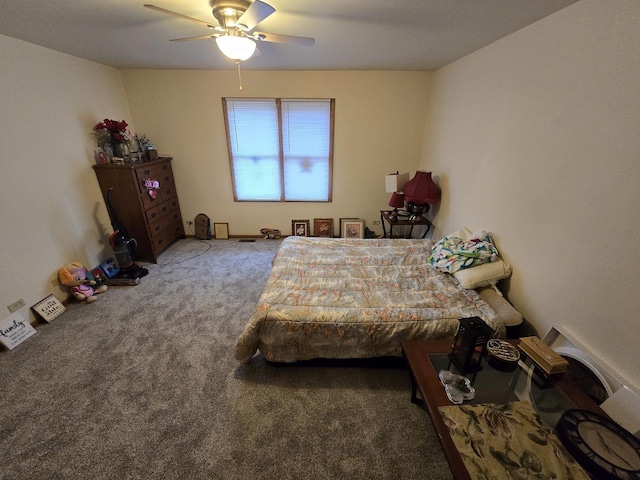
508,441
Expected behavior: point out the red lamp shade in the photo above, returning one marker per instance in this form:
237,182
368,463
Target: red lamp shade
422,189
396,200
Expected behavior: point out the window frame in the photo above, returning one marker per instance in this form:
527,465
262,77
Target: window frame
278,104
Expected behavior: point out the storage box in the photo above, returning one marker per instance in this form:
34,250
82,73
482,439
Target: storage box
543,355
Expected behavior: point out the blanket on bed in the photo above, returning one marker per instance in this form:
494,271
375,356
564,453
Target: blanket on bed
452,254
355,298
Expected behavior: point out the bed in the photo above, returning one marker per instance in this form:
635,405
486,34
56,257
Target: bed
355,298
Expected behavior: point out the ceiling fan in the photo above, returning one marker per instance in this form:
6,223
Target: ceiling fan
234,32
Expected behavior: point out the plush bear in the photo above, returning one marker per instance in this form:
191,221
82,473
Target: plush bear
74,276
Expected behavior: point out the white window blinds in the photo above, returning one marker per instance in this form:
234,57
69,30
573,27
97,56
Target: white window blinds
280,150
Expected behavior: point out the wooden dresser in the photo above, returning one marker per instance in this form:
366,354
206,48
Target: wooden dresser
149,211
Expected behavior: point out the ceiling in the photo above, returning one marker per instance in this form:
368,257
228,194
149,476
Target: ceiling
350,34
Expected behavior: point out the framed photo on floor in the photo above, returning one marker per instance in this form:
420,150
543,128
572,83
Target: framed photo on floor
323,227
300,228
353,229
342,220
221,231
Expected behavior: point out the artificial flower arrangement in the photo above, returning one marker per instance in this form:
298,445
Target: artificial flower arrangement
111,132
115,141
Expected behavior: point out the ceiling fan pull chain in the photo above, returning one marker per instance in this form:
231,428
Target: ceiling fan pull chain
239,76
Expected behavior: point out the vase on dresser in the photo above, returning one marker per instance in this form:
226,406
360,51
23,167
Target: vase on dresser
122,150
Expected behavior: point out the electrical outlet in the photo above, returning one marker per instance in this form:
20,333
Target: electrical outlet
376,222
17,305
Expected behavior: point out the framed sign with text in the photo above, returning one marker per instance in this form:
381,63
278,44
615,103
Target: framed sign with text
15,330
49,308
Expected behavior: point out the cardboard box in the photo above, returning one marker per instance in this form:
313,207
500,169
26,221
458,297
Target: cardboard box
543,355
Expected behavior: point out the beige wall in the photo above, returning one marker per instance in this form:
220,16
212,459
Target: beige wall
51,209
379,120
536,139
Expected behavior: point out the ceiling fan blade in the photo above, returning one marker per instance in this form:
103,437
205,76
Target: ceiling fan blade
179,15
256,13
199,37
276,38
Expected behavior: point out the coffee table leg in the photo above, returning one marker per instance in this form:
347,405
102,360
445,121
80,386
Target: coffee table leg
414,397
414,386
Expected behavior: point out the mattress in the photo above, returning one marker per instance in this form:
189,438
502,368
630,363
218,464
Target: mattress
355,298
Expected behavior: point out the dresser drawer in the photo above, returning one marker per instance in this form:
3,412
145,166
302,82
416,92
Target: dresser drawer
153,215
165,224
146,173
167,189
165,169
158,229
165,232
169,208
173,204
148,202
164,209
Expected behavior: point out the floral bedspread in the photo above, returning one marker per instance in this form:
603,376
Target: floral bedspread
355,298
508,441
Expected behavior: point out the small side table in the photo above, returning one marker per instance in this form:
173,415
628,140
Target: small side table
385,216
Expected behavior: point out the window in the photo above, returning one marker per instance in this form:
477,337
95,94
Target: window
280,150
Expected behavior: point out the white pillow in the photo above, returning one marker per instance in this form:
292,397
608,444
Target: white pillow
464,233
483,275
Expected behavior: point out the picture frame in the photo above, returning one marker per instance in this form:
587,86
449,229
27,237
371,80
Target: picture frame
323,227
221,231
341,221
16,329
98,276
300,228
353,229
110,267
49,308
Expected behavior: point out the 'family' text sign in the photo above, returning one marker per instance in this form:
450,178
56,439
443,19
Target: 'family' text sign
15,330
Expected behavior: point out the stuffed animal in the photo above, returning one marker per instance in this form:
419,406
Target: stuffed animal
270,233
74,276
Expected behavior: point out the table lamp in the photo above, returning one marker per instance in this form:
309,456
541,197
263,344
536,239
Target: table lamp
420,193
394,184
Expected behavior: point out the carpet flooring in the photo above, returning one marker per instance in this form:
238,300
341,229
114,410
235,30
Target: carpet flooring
142,384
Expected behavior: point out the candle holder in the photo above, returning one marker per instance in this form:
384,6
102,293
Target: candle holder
470,344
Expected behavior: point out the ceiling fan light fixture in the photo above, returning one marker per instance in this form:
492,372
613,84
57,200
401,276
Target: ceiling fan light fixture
236,47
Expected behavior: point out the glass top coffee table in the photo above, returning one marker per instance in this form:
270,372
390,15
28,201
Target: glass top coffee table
425,358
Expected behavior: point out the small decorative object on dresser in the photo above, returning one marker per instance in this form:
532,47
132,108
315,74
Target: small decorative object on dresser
147,203
300,228
323,227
